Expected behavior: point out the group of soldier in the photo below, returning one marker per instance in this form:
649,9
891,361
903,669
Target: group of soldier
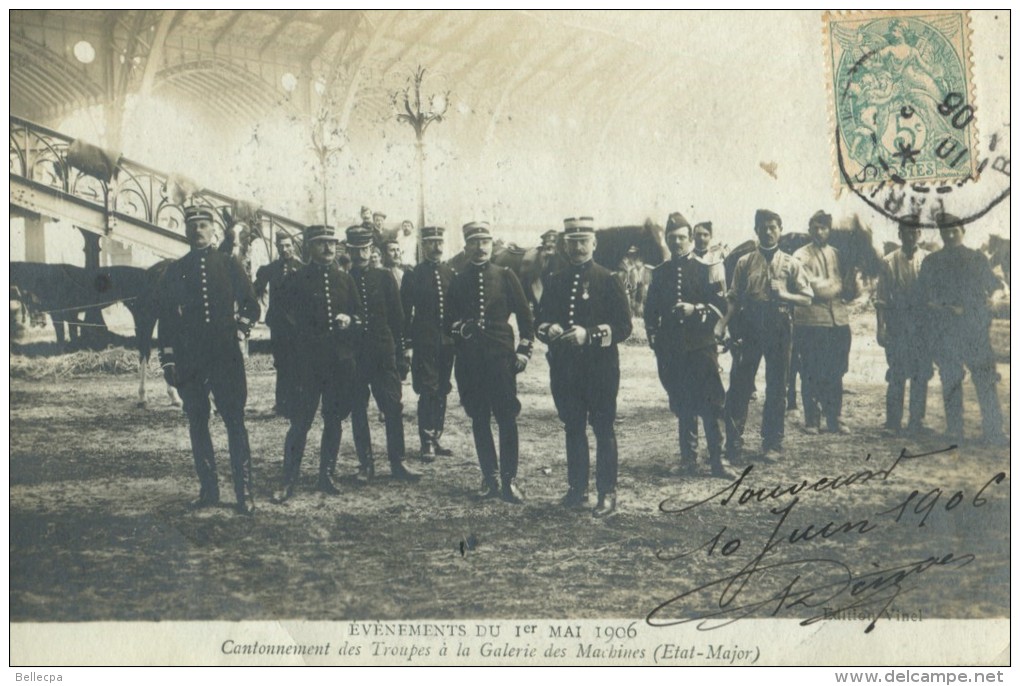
341,335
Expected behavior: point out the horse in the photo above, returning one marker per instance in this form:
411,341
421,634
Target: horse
613,244
64,291
858,257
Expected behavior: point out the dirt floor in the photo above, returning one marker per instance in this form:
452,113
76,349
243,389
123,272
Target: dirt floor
100,528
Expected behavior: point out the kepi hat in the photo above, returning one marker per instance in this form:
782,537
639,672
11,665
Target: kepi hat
576,228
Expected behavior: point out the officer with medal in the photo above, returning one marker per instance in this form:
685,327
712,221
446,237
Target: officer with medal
379,347
270,277
319,304
483,297
583,316
199,350
425,293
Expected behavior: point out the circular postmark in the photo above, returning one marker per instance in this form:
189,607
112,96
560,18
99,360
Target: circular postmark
906,137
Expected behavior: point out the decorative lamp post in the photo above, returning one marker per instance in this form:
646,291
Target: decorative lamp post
419,115
327,141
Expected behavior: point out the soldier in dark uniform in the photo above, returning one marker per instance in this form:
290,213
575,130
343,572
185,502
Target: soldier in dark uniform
270,277
482,298
320,306
199,350
378,349
684,315
425,294
583,317
957,282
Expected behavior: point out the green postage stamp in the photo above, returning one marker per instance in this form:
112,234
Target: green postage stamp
902,96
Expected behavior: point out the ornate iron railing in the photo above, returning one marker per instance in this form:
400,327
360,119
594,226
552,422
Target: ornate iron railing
134,192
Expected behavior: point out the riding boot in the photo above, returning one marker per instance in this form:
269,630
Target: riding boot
486,449
578,458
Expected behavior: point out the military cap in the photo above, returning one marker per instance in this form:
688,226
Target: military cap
550,233
365,209
944,220
196,213
320,232
763,217
476,230
576,228
432,233
821,217
910,221
358,236
379,213
707,226
676,221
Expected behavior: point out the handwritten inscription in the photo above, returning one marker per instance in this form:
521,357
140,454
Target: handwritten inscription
771,576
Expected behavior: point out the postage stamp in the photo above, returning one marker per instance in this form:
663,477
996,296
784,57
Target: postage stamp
902,96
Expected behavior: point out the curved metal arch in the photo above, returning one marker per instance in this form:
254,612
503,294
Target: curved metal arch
189,74
64,86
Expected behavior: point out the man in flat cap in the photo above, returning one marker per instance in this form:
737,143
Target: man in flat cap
902,329
684,315
483,297
767,284
320,306
821,330
199,350
270,277
425,295
378,349
957,284
583,316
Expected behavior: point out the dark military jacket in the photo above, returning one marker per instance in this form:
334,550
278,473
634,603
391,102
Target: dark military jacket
196,300
425,295
587,295
483,297
683,279
959,277
381,312
271,276
310,300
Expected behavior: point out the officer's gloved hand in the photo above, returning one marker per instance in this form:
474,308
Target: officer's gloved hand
243,327
344,321
522,363
575,336
554,332
166,362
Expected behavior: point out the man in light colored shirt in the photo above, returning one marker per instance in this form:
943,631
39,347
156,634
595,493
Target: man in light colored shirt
902,329
822,331
767,284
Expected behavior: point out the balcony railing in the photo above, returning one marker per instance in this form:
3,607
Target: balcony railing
133,191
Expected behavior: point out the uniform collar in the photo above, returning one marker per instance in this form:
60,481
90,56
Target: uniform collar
583,267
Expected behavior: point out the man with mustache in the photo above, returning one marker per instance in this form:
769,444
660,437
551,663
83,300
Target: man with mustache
199,350
583,317
483,297
767,284
378,348
320,305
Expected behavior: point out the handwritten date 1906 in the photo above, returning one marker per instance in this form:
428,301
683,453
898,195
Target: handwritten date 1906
770,583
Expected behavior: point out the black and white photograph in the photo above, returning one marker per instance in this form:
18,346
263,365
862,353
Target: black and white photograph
518,337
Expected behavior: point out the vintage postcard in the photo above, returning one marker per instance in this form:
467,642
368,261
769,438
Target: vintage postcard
415,337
